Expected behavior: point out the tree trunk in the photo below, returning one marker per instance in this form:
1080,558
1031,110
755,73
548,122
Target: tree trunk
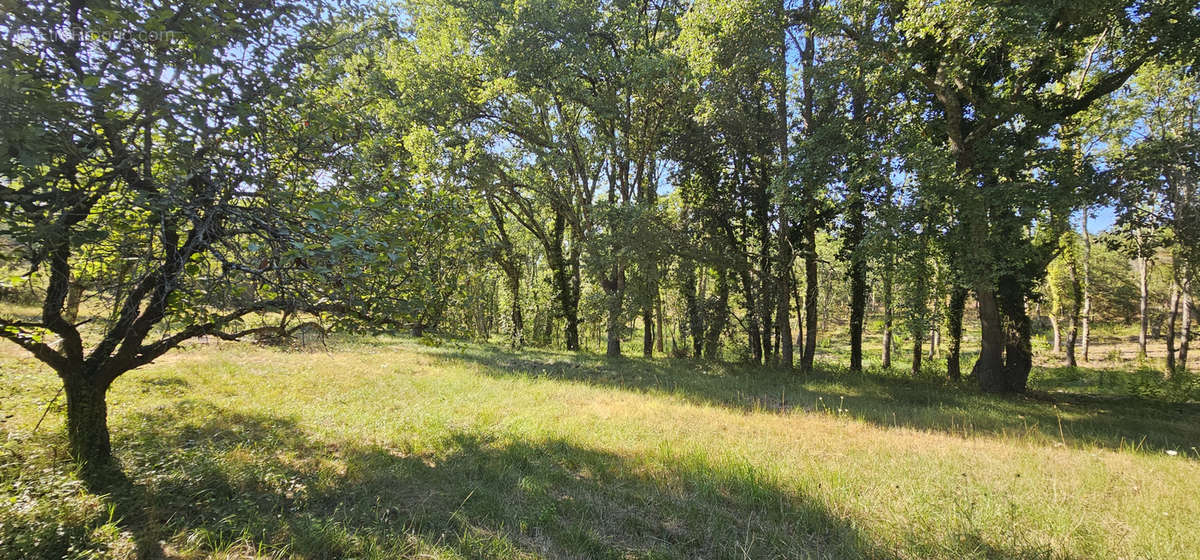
87,423
858,304
1186,336
1143,303
658,316
783,315
1018,344
1057,332
74,296
720,315
565,284
916,355
810,297
799,302
1172,315
648,331
517,337
887,317
613,331
1072,338
989,368
1087,285
1076,298
958,301
935,338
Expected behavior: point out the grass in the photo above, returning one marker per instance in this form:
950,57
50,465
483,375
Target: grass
384,448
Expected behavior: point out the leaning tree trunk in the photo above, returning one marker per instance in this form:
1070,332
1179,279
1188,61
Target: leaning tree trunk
958,301
87,422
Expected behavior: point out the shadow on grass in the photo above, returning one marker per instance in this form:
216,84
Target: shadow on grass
257,484
211,481
884,399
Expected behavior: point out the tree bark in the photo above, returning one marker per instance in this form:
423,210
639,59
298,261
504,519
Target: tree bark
1143,303
1186,336
648,331
658,316
916,355
1057,332
718,318
1172,316
989,368
692,302
958,301
613,330
87,422
1087,285
811,293
566,284
1076,298
783,315
858,304
74,297
887,317
1018,344
517,339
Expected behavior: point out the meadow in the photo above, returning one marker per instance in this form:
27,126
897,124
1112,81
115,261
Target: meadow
388,447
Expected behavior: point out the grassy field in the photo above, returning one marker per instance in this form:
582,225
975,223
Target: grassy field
384,448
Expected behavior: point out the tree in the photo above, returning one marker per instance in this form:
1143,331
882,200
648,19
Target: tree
995,80
145,140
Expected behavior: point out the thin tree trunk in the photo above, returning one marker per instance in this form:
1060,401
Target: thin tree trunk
783,315
517,339
916,355
1076,298
1143,303
1186,336
647,331
1087,284
1172,315
887,317
811,293
799,302
1057,332
658,316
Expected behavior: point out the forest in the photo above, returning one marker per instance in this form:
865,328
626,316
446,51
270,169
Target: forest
730,204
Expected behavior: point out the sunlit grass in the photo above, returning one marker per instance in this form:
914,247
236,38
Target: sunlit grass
387,448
